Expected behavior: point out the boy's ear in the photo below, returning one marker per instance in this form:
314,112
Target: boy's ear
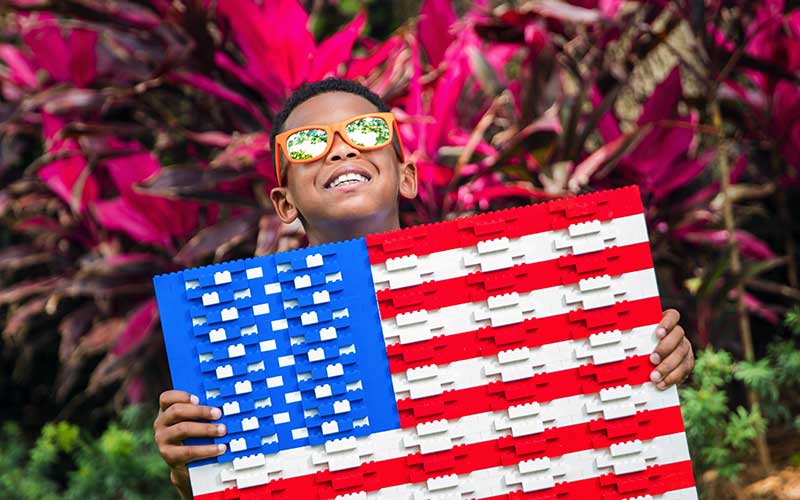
282,203
408,180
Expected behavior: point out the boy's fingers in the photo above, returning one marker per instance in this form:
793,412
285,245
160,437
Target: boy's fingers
186,411
680,373
668,321
169,398
667,345
179,455
174,434
672,362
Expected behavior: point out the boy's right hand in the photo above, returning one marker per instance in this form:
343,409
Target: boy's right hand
174,423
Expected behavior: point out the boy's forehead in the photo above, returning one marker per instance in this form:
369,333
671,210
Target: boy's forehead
329,107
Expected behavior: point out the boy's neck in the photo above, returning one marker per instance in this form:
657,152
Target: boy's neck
342,230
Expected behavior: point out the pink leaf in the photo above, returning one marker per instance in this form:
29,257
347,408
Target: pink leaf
608,127
362,66
45,42
22,71
83,60
121,214
212,87
62,177
278,58
757,307
585,169
610,8
140,326
435,24
563,11
127,170
749,245
447,92
671,144
663,102
679,175
336,49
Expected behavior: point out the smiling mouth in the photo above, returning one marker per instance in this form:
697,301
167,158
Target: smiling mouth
347,179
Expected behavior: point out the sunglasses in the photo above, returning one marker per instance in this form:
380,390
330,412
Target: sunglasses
312,142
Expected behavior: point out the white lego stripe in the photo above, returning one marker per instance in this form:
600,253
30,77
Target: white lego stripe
528,249
520,420
524,363
568,468
539,303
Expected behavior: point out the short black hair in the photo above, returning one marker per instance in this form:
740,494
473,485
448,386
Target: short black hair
309,90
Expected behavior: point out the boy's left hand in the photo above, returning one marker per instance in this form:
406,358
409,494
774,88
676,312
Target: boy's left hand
673,355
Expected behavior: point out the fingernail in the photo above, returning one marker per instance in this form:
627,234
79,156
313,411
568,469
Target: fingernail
221,429
221,448
215,413
655,358
194,399
660,332
655,376
661,385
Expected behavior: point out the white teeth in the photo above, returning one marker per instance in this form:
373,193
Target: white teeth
347,179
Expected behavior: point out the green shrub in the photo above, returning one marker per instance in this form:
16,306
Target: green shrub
64,462
720,436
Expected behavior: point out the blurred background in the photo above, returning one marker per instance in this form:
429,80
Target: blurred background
134,140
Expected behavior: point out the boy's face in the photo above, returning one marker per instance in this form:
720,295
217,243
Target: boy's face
310,189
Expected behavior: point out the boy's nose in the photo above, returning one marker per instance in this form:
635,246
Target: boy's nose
341,150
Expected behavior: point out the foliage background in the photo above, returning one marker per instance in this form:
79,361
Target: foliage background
135,142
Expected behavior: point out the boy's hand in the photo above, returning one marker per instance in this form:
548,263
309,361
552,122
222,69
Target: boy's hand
174,423
673,355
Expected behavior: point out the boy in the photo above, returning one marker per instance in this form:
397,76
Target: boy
341,190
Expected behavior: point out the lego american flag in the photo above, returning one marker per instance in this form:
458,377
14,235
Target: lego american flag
503,356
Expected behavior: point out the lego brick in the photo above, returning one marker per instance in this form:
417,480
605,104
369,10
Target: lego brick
539,303
553,415
528,249
504,355
511,223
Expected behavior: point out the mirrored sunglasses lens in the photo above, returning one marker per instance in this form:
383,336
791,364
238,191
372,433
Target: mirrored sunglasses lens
368,132
307,144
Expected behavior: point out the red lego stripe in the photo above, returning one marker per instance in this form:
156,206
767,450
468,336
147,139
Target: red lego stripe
463,459
521,278
585,379
535,332
511,223
656,480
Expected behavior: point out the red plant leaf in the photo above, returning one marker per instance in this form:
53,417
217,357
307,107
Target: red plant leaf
757,307
663,102
563,11
749,245
276,59
71,179
83,60
43,38
336,49
607,126
21,71
25,289
72,327
214,88
140,325
212,239
584,170
122,215
362,66
435,28
679,175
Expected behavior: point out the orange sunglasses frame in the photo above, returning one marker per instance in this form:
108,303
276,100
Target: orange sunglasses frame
332,129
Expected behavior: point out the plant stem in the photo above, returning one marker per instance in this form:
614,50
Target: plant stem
736,269
786,221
